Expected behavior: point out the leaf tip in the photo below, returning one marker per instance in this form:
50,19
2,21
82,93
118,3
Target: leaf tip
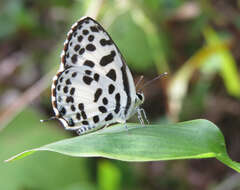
10,159
20,155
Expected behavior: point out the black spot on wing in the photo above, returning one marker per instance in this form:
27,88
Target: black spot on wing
82,50
111,88
80,38
84,115
96,77
59,87
112,74
97,94
74,58
74,74
90,38
104,42
105,60
94,29
68,82
78,116
81,106
90,47
75,34
73,108
77,47
105,101
65,89
87,80
109,117
85,32
89,63
88,72
96,119
69,99
102,109
72,91
117,99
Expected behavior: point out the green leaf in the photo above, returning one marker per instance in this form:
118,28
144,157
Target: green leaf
26,131
191,139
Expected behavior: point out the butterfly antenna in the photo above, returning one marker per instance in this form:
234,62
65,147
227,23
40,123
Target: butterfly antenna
139,81
45,120
151,81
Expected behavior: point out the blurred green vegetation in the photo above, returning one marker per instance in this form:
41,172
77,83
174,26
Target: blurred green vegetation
197,42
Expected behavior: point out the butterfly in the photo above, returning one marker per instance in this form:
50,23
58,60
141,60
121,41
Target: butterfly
93,87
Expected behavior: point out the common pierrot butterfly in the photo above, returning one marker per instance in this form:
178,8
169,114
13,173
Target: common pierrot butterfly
93,87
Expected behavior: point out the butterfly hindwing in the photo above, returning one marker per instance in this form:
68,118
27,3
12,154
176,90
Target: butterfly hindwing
80,105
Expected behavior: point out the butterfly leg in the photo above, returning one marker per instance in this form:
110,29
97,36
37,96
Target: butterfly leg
140,118
144,115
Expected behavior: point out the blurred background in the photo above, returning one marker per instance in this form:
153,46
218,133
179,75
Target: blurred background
196,42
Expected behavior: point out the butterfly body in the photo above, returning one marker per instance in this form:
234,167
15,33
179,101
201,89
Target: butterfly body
93,87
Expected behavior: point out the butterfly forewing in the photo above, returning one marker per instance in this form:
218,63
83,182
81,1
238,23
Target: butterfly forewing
94,86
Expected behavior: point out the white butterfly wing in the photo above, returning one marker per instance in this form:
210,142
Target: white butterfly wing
92,65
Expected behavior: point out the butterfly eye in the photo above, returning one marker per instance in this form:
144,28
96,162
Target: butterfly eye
140,96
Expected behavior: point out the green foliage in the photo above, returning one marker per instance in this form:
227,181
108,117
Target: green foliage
125,31
45,171
192,139
13,17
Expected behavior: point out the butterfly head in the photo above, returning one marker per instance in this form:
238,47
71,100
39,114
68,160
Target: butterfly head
139,98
